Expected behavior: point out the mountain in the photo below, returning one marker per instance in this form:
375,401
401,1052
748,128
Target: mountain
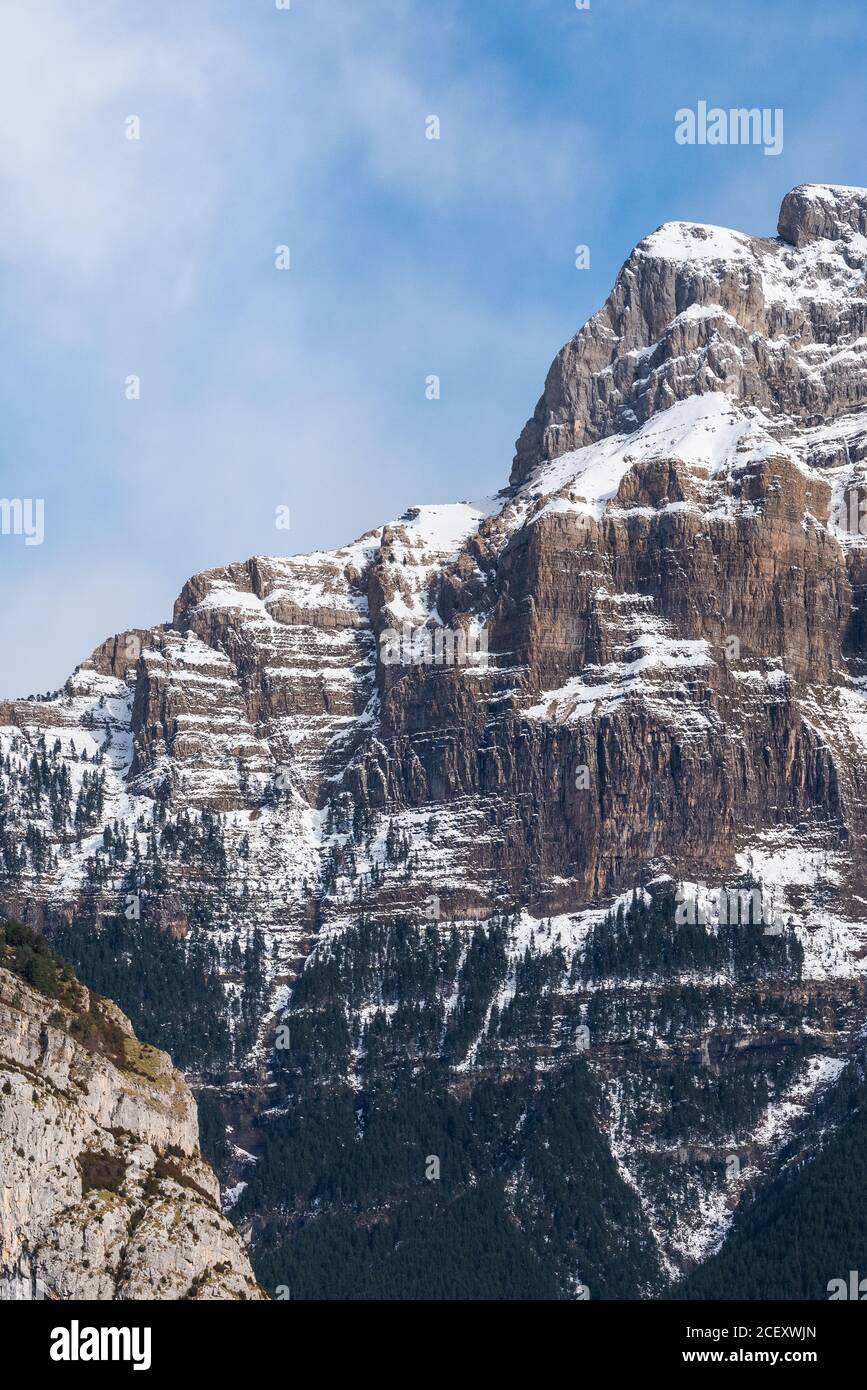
105,1193
498,878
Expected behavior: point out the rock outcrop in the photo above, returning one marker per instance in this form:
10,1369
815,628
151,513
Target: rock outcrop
779,324
104,1193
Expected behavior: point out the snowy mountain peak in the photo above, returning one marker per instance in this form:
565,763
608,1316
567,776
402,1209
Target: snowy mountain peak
823,212
775,323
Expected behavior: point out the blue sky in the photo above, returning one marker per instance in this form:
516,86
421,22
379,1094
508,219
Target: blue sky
410,257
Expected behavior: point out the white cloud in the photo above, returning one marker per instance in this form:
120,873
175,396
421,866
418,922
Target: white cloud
155,257
79,199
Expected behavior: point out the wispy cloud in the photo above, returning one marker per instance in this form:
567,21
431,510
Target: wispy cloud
155,257
307,127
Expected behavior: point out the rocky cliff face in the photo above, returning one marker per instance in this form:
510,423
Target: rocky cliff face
103,1190
778,324
671,598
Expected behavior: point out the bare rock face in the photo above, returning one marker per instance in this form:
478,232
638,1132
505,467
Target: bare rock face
822,212
103,1191
700,309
